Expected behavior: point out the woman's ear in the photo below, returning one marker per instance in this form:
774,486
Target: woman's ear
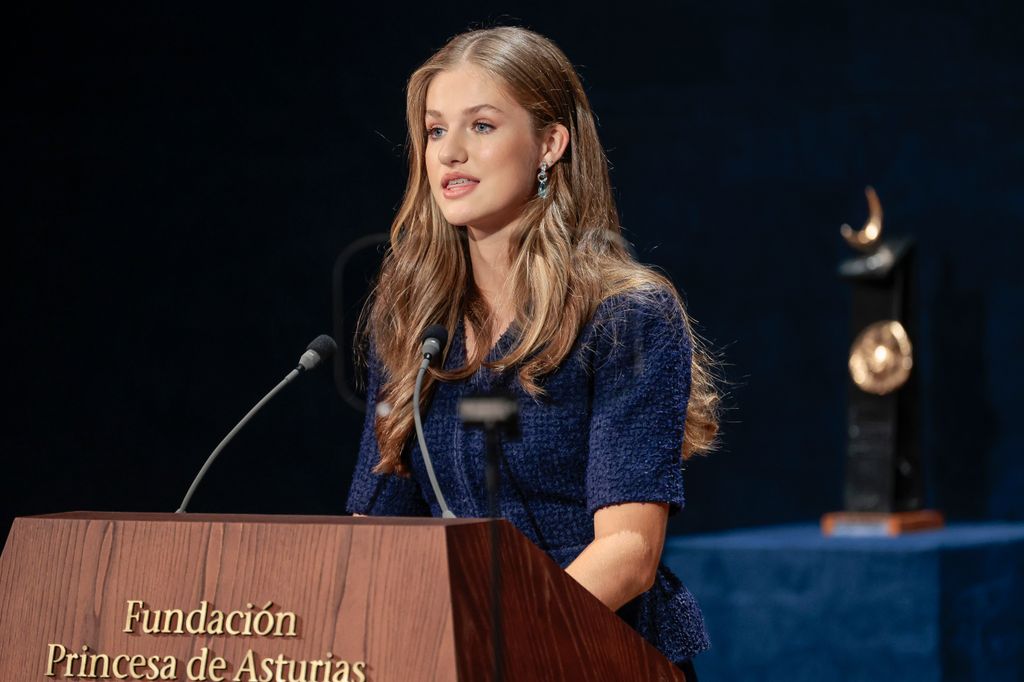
553,143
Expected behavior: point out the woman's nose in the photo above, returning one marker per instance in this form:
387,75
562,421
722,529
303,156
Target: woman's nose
453,149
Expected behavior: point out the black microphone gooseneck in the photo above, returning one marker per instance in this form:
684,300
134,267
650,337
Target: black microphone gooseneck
498,414
434,339
319,350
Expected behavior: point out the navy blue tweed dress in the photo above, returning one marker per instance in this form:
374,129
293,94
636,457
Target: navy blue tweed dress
608,430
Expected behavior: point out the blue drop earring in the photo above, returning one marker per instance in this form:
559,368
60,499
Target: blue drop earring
542,180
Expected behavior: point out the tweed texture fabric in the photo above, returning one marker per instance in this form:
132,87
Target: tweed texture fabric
608,430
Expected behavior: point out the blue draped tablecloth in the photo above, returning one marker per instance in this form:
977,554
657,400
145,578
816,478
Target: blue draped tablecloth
786,603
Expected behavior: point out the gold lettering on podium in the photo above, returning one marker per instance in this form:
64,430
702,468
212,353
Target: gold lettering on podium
206,620
328,669
266,621
101,666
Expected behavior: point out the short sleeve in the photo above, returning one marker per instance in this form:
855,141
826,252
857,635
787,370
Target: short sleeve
380,494
642,353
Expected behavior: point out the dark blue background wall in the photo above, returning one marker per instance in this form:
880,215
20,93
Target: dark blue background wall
178,182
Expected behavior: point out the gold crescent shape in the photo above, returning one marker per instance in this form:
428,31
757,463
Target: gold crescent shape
881,357
866,238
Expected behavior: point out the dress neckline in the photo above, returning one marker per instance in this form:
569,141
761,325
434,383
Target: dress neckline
497,349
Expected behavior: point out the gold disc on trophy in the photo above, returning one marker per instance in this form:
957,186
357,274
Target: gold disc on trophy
881,357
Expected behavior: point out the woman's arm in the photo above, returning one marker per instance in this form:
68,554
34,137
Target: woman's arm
622,561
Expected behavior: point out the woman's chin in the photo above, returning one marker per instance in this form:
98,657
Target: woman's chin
470,220
488,224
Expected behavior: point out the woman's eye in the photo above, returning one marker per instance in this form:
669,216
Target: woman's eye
435,132
482,127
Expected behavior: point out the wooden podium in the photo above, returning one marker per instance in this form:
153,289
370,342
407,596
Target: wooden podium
246,598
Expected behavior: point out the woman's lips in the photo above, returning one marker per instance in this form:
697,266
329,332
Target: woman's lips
458,189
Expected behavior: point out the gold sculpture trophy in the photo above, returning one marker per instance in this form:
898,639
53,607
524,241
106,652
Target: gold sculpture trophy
883,489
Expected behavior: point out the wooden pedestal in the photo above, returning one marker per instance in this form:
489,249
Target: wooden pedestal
852,524
204,597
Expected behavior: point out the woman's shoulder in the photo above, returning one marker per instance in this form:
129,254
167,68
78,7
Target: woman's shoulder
647,302
641,316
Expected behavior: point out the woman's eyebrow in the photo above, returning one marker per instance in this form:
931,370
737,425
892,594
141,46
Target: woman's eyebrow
470,110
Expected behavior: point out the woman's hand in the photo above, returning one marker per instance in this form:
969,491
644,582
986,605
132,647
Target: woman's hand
622,561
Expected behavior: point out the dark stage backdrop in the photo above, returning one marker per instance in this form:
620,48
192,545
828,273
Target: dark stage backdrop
179,181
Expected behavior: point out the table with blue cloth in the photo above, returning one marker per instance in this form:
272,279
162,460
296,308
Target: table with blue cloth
786,603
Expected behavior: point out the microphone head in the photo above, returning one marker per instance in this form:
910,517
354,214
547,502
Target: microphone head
434,339
436,331
324,346
320,349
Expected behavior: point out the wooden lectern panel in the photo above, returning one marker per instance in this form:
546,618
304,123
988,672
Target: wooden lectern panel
245,598
554,628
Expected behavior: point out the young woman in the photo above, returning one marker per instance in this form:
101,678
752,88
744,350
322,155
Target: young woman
508,235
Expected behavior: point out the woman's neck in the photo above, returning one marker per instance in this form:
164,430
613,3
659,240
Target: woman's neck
488,257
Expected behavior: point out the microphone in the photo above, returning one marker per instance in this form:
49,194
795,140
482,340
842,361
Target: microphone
319,350
433,341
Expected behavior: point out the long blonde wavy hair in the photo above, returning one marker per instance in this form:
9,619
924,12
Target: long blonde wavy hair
566,253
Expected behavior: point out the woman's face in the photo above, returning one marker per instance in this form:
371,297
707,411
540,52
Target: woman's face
482,152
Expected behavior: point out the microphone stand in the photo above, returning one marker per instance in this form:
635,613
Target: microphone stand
319,350
498,414
231,434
